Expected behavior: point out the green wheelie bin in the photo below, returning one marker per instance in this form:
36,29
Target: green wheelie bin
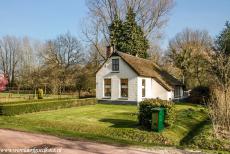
158,117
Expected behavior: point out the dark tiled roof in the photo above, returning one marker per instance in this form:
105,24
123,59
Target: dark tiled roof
147,68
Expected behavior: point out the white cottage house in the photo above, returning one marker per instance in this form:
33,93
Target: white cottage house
124,78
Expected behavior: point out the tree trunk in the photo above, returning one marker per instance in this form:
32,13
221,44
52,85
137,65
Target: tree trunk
197,76
226,107
79,93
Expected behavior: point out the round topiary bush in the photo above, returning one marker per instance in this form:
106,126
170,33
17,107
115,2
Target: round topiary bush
40,93
146,109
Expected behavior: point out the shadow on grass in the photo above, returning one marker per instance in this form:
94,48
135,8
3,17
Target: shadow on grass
195,131
121,123
129,113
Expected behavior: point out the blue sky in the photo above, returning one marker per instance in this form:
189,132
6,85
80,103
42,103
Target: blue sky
45,19
41,19
209,15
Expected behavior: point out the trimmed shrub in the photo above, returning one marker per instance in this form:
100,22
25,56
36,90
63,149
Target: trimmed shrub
40,93
200,95
14,109
146,109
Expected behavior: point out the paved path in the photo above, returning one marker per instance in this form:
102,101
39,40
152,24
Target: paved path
19,140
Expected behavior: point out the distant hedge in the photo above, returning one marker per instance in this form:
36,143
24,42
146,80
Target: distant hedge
34,101
200,95
146,109
20,108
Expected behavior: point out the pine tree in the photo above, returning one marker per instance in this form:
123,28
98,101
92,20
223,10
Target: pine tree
127,36
116,32
223,40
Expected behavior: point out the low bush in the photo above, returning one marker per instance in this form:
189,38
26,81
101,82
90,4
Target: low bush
146,109
200,95
40,93
14,109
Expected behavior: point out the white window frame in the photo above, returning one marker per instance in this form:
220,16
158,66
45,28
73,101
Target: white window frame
143,87
120,88
177,89
118,64
108,97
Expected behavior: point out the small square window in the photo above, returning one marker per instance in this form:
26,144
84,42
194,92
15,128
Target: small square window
115,64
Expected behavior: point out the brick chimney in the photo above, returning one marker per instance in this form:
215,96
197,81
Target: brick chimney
109,51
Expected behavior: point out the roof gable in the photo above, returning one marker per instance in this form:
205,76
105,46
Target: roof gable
147,68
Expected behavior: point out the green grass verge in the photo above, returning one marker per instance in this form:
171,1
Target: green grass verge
205,138
113,124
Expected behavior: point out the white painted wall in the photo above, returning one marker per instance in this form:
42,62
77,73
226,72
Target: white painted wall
160,92
124,72
153,88
148,88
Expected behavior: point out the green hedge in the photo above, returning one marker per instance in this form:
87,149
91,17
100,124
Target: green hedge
14,109
146,108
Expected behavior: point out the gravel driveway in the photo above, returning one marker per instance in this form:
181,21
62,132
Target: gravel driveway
16,140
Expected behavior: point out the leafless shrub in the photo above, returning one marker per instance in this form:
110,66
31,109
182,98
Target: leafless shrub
219,104
219,112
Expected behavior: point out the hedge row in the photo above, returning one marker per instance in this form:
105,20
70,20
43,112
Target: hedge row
146,109
34,101
14,109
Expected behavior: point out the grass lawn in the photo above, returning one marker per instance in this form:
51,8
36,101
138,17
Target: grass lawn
111,124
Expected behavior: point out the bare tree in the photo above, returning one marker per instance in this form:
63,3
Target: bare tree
151,15
219,105
27,63
27,54
10,56
62,56
155,54
219,109
189,51
95,38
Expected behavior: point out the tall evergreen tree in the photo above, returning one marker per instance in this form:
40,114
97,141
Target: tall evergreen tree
223,40
128,37
116,32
